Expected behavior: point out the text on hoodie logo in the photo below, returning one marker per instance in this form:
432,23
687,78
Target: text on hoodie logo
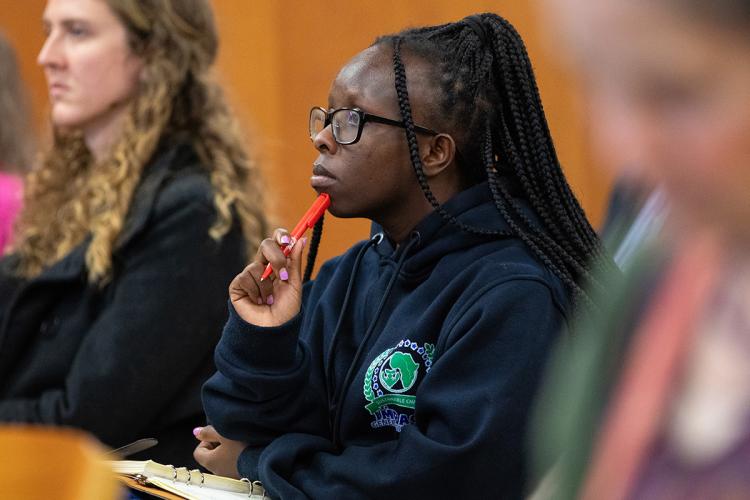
391,380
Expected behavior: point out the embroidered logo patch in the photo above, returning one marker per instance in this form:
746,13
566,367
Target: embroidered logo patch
390,383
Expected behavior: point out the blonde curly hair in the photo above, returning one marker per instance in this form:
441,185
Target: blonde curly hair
67,200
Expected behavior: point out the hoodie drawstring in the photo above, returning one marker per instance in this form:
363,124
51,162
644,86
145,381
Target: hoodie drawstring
328,366
334,406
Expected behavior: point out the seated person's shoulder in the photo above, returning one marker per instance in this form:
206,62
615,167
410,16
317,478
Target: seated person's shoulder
515,264
514,260
190,184
176,177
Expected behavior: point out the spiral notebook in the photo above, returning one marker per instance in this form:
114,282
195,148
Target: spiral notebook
184,483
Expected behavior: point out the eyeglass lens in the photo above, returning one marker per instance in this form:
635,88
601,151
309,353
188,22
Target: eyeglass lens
344,124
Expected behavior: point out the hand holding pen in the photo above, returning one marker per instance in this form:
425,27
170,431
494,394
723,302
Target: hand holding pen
272,302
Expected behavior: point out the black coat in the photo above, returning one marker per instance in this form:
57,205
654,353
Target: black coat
126,361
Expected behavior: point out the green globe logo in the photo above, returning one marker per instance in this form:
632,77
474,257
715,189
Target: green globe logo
399,372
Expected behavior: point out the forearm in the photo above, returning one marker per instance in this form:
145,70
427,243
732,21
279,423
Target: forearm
261,388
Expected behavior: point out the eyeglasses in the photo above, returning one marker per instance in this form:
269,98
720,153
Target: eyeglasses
347,123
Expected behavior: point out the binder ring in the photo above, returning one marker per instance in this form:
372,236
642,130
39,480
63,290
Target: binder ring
260,485
174,473
190,475
203,478
249,486
186,470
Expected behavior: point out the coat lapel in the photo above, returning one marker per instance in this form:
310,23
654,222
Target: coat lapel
26,301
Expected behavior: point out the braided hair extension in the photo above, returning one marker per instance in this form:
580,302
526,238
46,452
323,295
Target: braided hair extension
312,253
487,82
411,137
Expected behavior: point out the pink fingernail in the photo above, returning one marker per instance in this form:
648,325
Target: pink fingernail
283,274
285,240
197,431
260,301
269,300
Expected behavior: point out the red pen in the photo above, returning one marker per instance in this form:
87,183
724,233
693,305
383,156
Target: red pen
316,210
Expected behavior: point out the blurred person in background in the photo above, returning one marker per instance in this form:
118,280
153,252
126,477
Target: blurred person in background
135,222
653,400
16,140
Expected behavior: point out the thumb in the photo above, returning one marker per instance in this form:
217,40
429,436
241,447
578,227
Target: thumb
207,433
295,261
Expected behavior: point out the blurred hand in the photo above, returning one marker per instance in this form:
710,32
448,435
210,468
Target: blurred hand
217,453
278,298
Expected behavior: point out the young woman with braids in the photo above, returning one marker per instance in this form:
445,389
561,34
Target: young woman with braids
134,223
408,366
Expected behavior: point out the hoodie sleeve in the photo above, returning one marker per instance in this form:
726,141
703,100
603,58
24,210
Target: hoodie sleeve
261,388
470,417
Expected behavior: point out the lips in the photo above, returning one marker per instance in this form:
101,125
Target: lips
321,177
320,170
56,89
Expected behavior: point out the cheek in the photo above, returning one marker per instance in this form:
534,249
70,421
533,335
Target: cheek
371,175
107,77
377,163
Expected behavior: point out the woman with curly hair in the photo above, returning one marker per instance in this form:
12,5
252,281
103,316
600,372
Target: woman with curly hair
114,296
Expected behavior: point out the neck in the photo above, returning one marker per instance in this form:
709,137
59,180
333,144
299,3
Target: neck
102,133
399,224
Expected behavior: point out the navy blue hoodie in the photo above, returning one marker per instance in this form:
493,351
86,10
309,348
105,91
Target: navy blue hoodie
408,372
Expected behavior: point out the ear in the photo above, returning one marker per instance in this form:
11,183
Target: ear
438,153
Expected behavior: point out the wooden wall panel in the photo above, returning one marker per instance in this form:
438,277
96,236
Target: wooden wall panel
279,58
21,22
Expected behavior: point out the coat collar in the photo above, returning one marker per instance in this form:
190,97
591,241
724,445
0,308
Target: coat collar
170,157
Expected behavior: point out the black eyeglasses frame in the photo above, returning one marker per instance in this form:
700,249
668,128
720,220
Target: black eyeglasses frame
364,117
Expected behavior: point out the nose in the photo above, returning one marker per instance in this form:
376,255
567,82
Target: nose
324,141
50,55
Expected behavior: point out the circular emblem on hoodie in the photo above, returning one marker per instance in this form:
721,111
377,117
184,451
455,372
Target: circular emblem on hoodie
391,381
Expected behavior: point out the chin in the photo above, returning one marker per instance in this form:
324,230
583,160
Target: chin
341,214
68,118
66,123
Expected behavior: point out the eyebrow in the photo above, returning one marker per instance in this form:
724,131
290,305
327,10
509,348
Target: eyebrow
66,22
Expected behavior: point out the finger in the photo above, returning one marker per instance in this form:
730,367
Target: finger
273,254
265,287
207,433
282,237
243,285
202,455
207,436
295,262
209,445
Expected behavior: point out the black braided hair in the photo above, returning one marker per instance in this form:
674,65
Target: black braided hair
491,100
312,253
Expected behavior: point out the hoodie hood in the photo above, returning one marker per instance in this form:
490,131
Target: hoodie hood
438,237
